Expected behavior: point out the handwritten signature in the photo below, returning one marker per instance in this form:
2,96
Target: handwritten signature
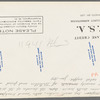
54,42
49,43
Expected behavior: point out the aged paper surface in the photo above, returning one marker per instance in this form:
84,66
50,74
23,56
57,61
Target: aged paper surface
49,49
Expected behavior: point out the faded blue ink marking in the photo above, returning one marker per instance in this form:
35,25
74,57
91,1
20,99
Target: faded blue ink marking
91,53
94,58
1,61
38,50
42,63
90,45
39,58
93,49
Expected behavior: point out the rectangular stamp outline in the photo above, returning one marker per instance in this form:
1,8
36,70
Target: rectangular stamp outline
24,33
